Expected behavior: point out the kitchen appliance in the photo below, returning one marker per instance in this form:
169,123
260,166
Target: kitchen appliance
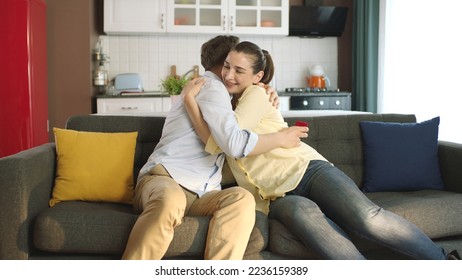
100,76
327,100
23,76
317,80
317,21
128,82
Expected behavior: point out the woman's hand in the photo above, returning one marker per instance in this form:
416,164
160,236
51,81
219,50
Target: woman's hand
273,95
192,87
189,93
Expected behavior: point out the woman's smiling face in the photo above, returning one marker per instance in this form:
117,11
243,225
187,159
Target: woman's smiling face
237,73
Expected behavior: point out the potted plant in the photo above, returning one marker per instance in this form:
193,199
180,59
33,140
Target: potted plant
173,84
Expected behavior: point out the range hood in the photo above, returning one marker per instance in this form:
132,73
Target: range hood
317,21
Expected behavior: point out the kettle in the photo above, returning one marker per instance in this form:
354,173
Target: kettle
317,79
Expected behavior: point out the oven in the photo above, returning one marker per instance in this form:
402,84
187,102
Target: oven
303,99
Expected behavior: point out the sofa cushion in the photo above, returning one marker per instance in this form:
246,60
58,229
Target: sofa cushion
401,156
437,213
104,228
84,227
94,166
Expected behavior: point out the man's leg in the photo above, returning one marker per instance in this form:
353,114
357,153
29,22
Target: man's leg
162,204
233,218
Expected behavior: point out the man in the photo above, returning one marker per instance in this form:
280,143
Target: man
180,178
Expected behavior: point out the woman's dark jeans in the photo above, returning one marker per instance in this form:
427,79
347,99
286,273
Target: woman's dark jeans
327,200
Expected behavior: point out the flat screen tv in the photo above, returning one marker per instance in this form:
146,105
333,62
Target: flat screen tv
317,21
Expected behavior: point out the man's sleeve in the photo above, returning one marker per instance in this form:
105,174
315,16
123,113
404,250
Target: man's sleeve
215,105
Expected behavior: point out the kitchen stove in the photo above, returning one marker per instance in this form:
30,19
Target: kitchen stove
307,89
300,98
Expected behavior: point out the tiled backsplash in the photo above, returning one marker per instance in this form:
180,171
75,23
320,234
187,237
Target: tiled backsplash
152,56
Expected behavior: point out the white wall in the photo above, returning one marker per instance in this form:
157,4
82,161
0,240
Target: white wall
152,56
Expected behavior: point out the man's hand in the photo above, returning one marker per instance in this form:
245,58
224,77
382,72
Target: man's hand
273,95
285,138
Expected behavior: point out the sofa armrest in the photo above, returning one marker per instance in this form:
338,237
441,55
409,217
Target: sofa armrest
450,157
26,181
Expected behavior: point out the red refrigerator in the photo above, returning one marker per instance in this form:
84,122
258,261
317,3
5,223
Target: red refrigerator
23,75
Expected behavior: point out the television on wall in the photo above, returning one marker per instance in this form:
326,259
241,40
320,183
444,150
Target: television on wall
317,21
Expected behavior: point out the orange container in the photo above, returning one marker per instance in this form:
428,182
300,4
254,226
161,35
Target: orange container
316,82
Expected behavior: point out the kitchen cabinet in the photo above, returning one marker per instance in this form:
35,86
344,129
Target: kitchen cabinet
134,16
284,103
123,105
257,17
159,104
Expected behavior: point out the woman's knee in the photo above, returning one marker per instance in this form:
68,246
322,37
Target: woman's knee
291,205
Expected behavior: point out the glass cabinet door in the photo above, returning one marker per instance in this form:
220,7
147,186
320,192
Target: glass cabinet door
259,17
198,16
268,17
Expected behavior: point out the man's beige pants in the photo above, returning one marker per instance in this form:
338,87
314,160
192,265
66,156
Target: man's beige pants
163,204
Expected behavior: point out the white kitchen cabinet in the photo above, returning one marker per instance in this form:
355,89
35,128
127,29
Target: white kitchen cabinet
132,105
259,17
284,103
253,17
160,105
256,17
134,16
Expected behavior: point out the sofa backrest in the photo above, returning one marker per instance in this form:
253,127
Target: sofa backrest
149,131
337,138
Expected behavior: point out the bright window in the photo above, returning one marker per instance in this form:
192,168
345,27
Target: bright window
420,68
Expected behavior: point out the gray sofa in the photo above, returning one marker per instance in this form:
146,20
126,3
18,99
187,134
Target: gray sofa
29,229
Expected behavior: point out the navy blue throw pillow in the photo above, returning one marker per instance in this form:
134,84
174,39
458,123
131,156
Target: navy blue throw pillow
401,156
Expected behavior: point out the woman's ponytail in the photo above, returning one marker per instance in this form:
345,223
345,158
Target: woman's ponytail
268,69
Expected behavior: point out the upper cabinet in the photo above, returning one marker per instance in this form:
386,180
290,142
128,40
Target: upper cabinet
265,17
134,16
268,17
256,17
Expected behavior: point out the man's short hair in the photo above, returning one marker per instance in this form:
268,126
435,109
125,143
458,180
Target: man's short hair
215,50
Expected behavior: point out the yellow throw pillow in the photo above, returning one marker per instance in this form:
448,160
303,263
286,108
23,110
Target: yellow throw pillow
94,166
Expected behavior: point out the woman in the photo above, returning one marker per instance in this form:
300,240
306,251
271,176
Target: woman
310,196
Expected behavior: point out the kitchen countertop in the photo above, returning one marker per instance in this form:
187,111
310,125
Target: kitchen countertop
314,113
285,113
320,94
164,94
135,94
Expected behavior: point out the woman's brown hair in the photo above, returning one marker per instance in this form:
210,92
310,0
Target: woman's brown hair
262,60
